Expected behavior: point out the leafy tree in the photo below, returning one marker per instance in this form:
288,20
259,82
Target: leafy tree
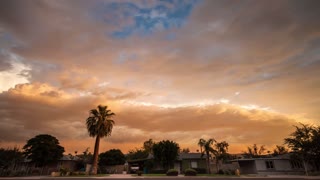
84,158
43,149
255,151
112,157
10,157
279,150
304,142
221,152
206,148
137,154
185,150
99,125
148,145
166,152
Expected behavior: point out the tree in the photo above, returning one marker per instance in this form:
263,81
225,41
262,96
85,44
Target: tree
112,157
83,159
43,149
221,152
185,150
255,151
99,125
10,157
148,145
137,154
166,152
279,150
304,142
206,148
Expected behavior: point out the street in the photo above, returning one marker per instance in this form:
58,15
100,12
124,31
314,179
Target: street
162,178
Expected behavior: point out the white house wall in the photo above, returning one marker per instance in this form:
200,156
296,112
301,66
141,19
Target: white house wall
282,165
260,165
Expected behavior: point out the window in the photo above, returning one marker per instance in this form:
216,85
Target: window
194,164
296,165
269,165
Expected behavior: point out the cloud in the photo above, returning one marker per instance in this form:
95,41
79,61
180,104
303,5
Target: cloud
63,115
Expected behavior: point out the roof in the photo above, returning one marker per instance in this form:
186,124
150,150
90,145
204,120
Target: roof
69,158
279,157
190,156
64,158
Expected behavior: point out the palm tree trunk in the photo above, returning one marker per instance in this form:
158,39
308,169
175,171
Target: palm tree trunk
208,163
94,167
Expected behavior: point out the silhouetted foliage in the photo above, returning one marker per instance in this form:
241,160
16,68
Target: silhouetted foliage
185,150
43,149
279,150
172,172
148,146
84,158
10,157
305,143
137,154
190,172
166,152
112,157
255,151
221,152
99,125
206,148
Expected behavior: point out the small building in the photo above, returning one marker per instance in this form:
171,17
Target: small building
183,162
281,164
191,160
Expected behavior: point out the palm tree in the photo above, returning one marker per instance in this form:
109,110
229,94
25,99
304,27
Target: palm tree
221,152
206,147
99,125
255,151
279,150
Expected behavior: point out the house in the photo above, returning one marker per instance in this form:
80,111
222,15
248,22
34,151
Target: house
191,160
67,162
183,162
281,164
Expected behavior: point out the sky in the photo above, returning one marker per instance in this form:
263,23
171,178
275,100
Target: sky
240,71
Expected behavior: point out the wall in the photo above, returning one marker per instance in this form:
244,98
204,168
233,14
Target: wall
116,169
186,163
261,165
247,167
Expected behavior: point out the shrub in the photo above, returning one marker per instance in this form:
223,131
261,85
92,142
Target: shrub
35,172
63,171
200,170
139,173
220,171
190,172
229,172
172,172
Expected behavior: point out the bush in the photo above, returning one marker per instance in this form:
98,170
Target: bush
229,172
63,171
139,173
172,172
190,172
200,170
158,171
220,171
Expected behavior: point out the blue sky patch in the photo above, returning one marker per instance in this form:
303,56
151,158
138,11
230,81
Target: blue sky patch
130,19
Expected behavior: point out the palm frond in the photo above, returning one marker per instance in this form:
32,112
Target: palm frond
99,123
